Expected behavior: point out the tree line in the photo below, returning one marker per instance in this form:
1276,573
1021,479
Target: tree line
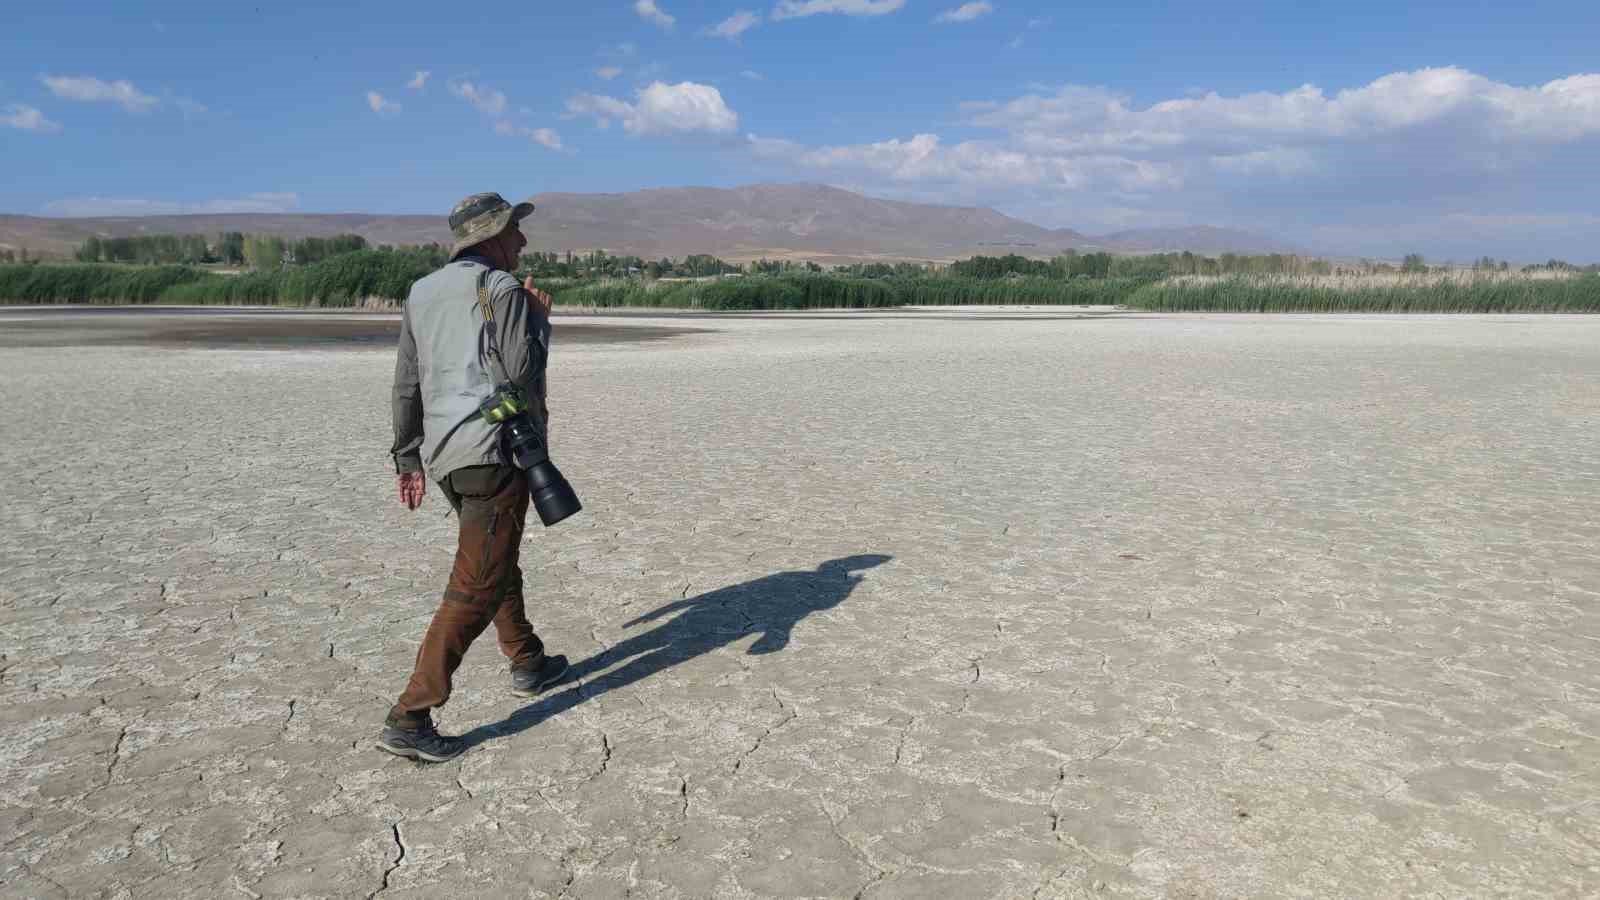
232,248
271,252
1164,265
1415,263
1100,264
600,264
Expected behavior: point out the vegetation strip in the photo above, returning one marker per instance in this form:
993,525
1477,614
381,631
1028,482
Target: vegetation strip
381,278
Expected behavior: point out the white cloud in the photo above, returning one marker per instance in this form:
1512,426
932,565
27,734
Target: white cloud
381,106
418,80
93,90
650,12
544,137
796,9
736,24
487,101
1278,161
28,119
924,158
599,107
752,75
1078,118
1432,154
547,137
966,12
1080,138
608,72
133,206
662,109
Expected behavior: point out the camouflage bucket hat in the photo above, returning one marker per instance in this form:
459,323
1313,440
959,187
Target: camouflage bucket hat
480,217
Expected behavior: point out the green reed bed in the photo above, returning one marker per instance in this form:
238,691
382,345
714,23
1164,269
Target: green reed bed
822,291
751,293
92,283
384,277
952,291
349,279
1579,294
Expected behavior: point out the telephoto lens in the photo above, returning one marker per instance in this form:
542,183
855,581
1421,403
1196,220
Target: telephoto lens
553,498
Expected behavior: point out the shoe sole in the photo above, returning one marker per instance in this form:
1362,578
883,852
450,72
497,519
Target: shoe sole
538,689
419,755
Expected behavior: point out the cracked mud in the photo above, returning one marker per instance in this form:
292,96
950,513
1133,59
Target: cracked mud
947,605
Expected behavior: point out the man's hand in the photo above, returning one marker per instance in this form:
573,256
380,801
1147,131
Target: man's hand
412,486
544,300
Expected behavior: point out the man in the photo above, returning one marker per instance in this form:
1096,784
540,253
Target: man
446,367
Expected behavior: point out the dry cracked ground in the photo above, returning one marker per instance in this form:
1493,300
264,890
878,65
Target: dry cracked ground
885,605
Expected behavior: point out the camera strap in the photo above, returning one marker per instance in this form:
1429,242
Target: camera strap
489,339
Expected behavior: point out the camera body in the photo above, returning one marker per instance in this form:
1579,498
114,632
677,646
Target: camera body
553,498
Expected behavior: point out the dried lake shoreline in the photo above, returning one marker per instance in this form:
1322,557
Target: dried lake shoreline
241,328
996,603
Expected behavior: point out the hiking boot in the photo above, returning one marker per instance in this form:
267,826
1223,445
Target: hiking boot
424,743
528,681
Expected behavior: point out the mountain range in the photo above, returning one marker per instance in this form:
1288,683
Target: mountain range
773,221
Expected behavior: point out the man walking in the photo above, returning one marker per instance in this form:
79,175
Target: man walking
456,320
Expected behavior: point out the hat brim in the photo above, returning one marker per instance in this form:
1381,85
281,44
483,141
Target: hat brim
491,226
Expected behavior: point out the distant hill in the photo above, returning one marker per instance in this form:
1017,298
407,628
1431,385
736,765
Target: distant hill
775,221
1207,240
59,237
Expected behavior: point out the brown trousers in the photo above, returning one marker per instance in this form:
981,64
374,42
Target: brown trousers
485,586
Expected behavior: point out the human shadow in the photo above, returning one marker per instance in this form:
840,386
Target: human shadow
770,606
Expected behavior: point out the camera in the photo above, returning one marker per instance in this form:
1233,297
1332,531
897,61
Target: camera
553,498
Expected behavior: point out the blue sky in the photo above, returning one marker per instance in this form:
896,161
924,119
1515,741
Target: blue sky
1450,129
